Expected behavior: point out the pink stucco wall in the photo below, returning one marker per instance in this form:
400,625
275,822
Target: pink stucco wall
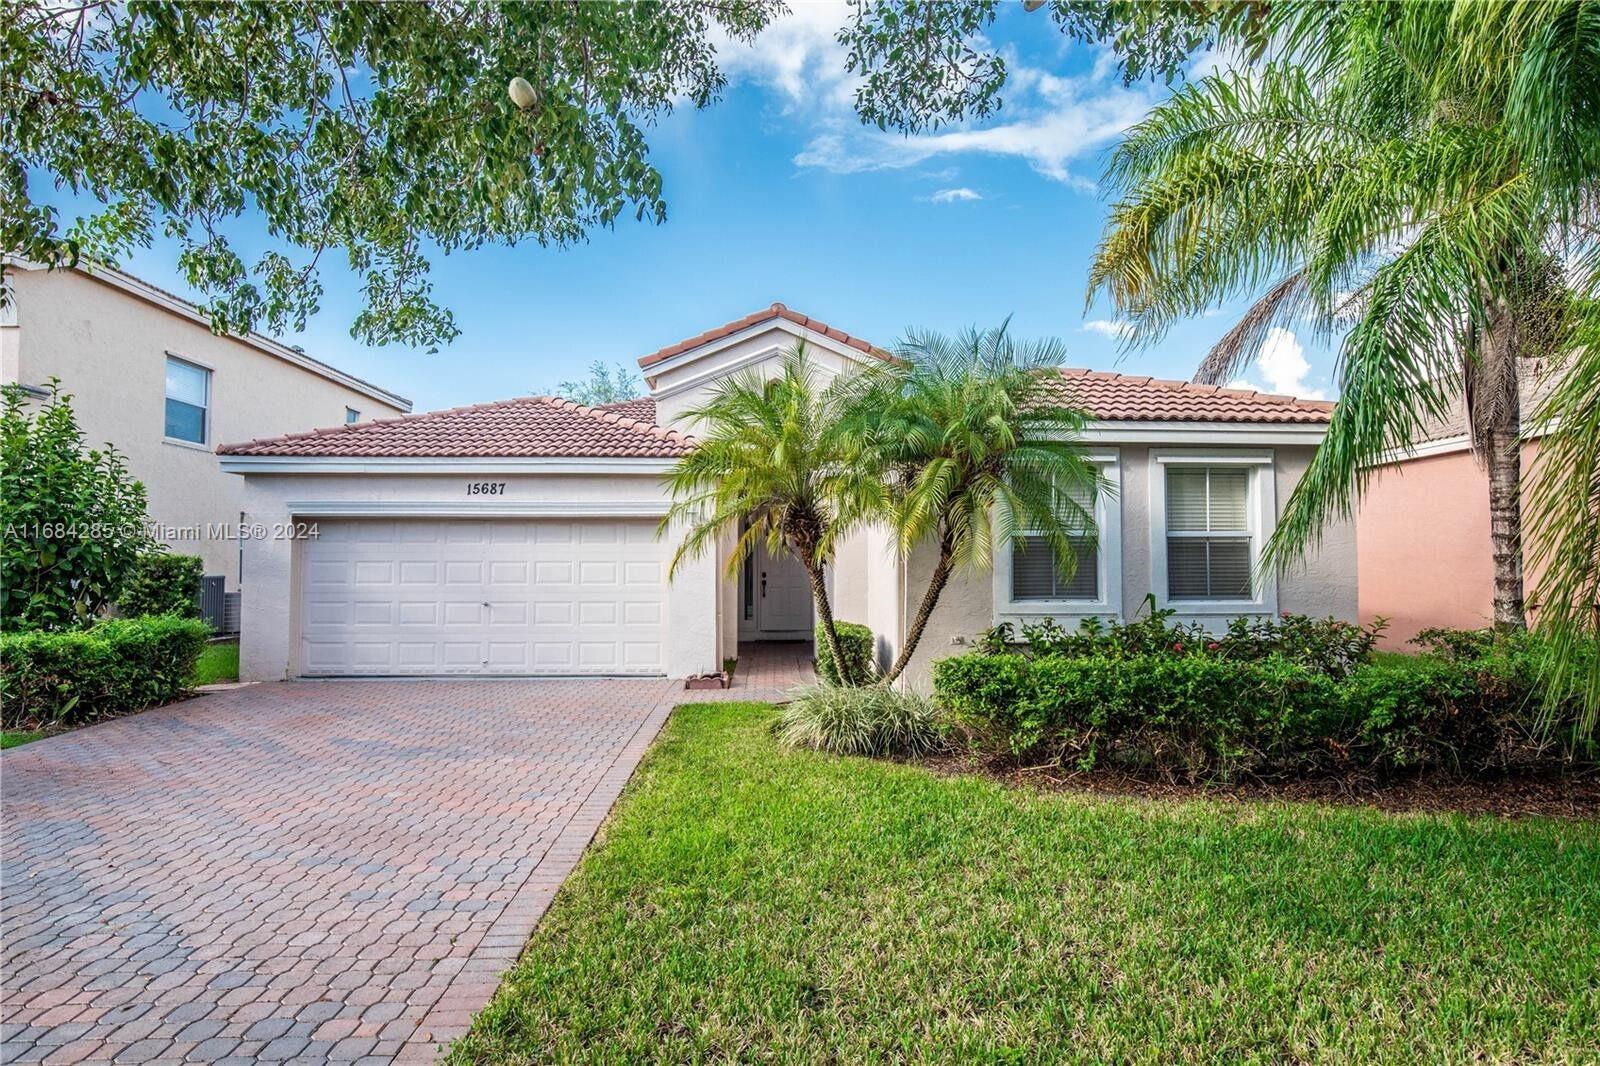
1422,546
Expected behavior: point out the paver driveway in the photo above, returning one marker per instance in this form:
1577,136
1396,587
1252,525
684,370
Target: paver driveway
311,870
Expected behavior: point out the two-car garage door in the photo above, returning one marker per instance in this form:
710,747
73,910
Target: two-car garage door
466,596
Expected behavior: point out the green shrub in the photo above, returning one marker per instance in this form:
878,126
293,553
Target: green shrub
1325,645
163,583
871,720
73,517
1202,716
860,651
78,676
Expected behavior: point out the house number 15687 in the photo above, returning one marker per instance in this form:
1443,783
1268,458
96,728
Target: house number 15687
486,488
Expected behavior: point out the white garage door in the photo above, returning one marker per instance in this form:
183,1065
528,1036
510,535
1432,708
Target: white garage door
453,596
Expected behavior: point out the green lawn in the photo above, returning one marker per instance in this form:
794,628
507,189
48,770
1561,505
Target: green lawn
12,738
752,904
218,662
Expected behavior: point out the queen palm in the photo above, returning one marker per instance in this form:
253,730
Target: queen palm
1407,174
774,462
976,439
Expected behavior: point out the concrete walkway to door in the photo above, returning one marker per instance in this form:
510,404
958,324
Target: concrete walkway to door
316,871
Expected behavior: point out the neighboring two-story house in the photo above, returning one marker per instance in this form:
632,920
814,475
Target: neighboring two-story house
147,375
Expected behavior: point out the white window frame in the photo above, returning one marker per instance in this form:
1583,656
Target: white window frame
1107,604
348,411
1261,508
210,372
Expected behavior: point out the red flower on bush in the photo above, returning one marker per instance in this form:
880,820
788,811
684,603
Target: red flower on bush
1178,647
1213,646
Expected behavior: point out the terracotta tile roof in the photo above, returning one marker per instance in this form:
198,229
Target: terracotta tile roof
1128,398
643,408
764,315
526,427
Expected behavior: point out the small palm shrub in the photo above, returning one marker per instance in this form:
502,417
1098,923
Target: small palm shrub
875,720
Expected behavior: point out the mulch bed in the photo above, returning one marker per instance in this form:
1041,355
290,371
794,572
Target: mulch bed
1575,795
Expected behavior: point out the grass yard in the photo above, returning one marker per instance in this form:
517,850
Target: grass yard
217,663
12,738
749,903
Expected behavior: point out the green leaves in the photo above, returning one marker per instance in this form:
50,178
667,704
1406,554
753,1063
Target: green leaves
382,130
1419,179
72,520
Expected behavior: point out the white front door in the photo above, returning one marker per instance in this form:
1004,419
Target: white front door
506,596
783,595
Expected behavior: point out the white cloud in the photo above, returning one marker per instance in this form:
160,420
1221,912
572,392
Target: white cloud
1058,122
1282,362
950,196
1116,329
1050,122
797,56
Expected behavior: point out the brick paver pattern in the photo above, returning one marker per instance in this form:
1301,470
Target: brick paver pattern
308,871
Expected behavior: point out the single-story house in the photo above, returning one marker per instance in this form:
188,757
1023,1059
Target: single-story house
520,537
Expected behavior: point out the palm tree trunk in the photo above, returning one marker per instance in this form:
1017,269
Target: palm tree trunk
930,599
830,633
1505,527
1495,405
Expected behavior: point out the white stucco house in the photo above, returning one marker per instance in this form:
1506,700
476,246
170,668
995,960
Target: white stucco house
520,537
147,374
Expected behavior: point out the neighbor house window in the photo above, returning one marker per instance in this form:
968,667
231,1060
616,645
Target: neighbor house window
188,401
1209,541
351,416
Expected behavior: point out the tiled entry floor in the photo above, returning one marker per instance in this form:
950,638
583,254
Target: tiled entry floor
310,870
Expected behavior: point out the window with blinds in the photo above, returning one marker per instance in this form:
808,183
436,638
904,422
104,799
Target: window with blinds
1035,575
1208,533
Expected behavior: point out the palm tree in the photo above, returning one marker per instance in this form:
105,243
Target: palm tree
975,438
773,461
1418,177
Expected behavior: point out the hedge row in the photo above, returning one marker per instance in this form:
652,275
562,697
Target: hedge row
162,583
1199,716
77,676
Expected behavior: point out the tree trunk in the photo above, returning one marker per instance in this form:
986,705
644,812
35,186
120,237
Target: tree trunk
1494,405
1505,527
830,633
930,599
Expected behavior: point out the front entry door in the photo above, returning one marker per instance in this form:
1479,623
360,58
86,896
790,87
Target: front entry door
783,595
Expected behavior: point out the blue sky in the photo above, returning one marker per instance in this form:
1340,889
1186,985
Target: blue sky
777,193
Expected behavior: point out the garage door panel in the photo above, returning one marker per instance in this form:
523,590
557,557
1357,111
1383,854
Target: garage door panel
419,572
417,655
373,613
594,572
503,574
603,613
497,597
